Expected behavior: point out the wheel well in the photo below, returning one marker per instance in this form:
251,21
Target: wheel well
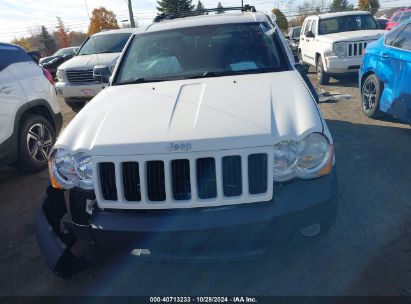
364,77
368,74
316,57
39,110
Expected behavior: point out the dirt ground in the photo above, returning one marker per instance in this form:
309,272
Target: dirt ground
368,251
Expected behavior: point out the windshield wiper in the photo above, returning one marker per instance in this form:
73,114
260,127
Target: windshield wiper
230,73
208,74
141,80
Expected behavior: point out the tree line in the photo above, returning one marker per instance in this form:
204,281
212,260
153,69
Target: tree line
41,38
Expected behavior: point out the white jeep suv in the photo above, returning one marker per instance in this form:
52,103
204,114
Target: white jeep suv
30,116
334,43
206,143
75,77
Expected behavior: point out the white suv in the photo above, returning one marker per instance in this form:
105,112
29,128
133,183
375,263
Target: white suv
30,116
75,77
334,43
207,143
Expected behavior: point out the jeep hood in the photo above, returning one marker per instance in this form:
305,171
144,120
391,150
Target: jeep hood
90,61
353,36
210,114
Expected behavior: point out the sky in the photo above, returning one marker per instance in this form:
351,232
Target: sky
19,17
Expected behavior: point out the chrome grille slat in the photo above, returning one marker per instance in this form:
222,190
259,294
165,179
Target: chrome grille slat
356,48
80,76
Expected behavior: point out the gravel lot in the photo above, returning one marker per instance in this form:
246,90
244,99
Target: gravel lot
368,252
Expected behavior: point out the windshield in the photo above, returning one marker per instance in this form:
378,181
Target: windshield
347,24
108,43
212,50
67,51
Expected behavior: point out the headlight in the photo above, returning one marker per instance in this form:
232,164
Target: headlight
340,49
61,75
285,158
68,171
309,158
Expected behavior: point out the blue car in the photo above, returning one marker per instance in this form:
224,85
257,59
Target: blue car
385,75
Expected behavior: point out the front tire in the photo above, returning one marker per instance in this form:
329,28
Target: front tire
322,76
36,139
370,96
306,67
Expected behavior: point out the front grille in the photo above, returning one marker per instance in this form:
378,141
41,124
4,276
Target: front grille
206,178
108,181
131,181
80,76
156,181
194,182
257,173
180,175
356,48
232,180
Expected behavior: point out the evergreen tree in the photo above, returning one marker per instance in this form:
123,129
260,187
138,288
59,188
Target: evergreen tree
174,6
47,42
281,19
220,7
341,5
200,6
371,6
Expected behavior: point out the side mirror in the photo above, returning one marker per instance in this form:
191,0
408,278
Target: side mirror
287,37
309,34
101,73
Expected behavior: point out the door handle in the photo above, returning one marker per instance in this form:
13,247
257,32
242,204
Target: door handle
385,56
6,90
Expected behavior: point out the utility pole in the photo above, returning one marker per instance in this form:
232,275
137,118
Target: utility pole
130,12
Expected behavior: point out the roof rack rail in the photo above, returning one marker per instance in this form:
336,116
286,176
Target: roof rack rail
164,16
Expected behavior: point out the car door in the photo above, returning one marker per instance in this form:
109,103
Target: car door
396,58
11,94
310,54
303,43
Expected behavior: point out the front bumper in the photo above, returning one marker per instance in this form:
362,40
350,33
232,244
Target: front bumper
337,65
81,90
208,231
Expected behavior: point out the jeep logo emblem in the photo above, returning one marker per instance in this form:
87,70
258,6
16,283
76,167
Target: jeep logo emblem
172,147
